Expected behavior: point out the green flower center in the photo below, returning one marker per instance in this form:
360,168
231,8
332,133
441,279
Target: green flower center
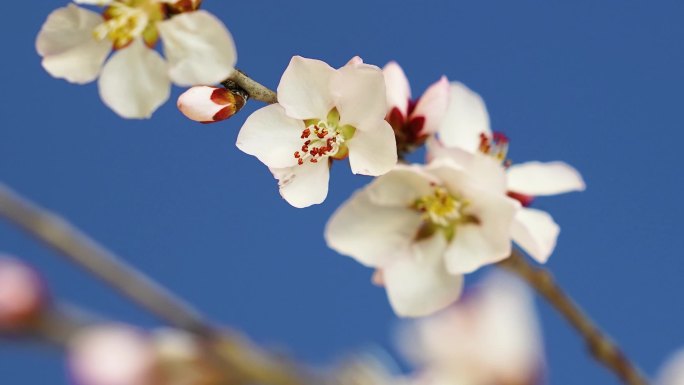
323,139
442,212
126,20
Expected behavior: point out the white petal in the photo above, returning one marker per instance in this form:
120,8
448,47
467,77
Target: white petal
198,47
305,185
672,373
68,47
304,89
134,81
536,232
370,233
433,105
465,120
435,150
94,2
418,284
537,178
359,94
401,186
272,136
469,171
203,103
487,242
373,149
397,87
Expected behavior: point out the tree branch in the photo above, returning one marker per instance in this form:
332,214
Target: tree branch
255,90
599,344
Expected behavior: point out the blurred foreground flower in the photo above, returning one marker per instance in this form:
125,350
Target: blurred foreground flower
491,336
322,114
75,42
672,372
22,295
423,227
413,120
465,129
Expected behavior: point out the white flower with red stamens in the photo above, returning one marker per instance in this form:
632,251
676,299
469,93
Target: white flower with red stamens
322,114
465,132
206,104
491,336
22,295
413,120
423,227
75,43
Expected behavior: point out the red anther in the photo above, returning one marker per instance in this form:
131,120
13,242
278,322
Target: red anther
314,160
296,154
306,133
314,151
499,137
308,142
305,148
322,134
300,161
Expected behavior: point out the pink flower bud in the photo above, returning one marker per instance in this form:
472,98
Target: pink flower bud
209,104
113,354
21,294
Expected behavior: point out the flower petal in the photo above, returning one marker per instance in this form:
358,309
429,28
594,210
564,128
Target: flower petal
418,283
465,120
397,87
94,2
208,104
272,136
304,89
370,233
359,94
198,47
433,105
373,149
305,185
489,240
401,186
537,178
536,232
134,82
672,372
68,47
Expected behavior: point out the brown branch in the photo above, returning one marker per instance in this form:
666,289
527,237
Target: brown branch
255,90
599,344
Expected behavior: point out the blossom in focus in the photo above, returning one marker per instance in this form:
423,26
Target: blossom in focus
322,114
113,354
672,372
423,227
465,129
491,336
206,104
22,295
75,43
413,120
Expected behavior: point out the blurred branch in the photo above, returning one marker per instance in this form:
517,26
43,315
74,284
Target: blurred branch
255,90
237,357
601,347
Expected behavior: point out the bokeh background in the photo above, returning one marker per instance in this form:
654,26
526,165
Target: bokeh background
597,84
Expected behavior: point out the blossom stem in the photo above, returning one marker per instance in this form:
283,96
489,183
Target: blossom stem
255,90
599,344
240,358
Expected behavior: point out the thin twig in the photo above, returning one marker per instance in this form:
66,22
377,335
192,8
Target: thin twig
599,344
255,90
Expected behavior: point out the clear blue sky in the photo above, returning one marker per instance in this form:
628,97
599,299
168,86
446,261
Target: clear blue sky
596,84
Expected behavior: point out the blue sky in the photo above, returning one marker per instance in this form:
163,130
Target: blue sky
596,84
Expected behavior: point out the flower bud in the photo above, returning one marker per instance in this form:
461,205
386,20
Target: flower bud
114,354
21,295
182,6
210,104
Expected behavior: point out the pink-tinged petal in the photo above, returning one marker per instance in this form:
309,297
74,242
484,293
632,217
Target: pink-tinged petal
68,47
209,104
401,186
537,178
199,48
371,234
418,283
356,60
489,239
465,120
373,149
22,294
359,94
112,355
305,185
672,372
433,105
304,89
134,82
536,232
272,136
397,87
